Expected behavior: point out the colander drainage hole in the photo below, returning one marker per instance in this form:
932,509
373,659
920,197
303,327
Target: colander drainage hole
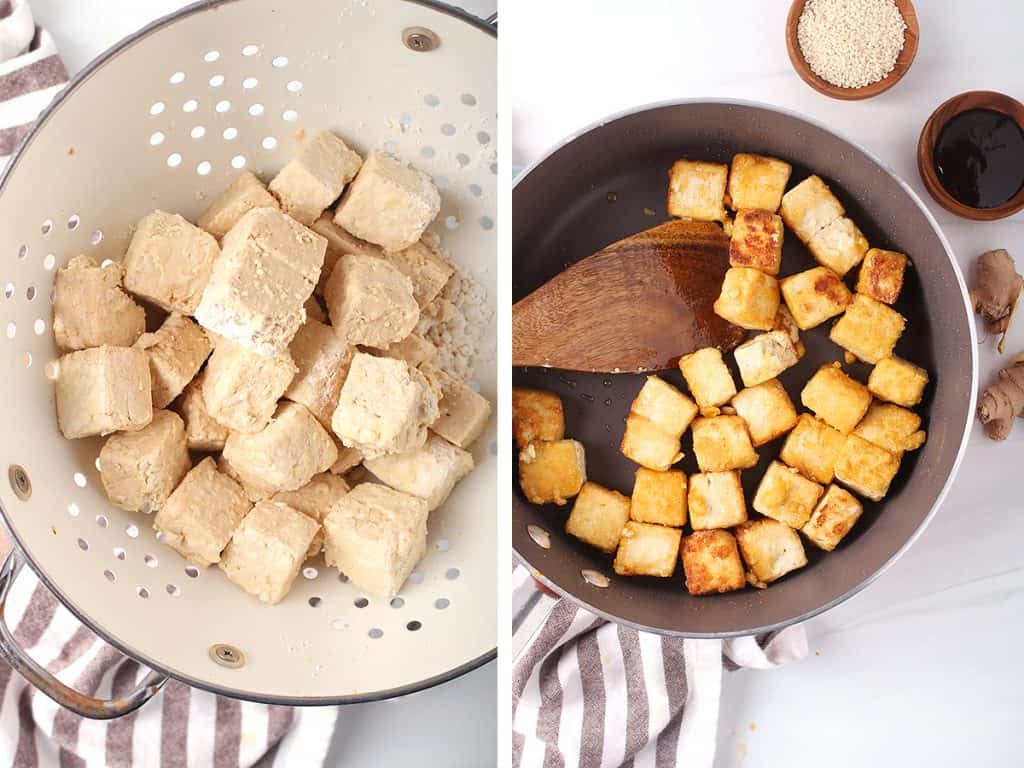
280,62
132,531
190,106
156,139
230,134
46,228
191,571
198,132
452,574
204,168
494,169
397,602
97,464
101,521
428,152
73,221
142,592
223,106
217,81
441,603
476,190
416,577
486,223
413,626
289,115
269,143
176,78
340,624
39,326
9,291
12,329
83,545
119,553
468,99
250,50
30,292
360,602
238,162
80,480
447,129
73,510
51,369
249,83
483,138
173,590
211,56
49,262
173,160
295,86
342,578
314,602
376,633
27,359
110,575
256,110
431,100
151,561
443,545
96,237
310,572
22,251
441,182
157,108
451,222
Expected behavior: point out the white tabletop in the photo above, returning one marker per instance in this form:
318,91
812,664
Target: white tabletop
919,669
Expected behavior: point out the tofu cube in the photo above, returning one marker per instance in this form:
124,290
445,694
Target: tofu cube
315,177
169,262
464,414
339,242
770,549
598,517
241,388
315,500
756,241
176,352
314,311
376,536
348,458
785,322
696,190
891,427
389,203
708,377
712,563
253,492
784,495
869,329
812,447
140,469
370,301
649,445
836,398
881,275
322,361
267,550
647,550
91,310
839,246
836,513
429,473
414,349
815,295
722,443
552,472
659,497
103,390
245,193
865,468
749,299
764,357
767,411
716,500
202,431
896,380
756,181
536,415
664,406
201,514
809,207
428,270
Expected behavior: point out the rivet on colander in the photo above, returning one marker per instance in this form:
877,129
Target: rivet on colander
540,537
20,483
420,39
595,578
227,656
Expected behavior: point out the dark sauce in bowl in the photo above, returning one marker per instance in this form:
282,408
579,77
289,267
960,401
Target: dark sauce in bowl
979,158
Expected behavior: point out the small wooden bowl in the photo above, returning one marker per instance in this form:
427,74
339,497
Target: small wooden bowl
930,135
903,62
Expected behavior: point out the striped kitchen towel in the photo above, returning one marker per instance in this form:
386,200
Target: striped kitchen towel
589,693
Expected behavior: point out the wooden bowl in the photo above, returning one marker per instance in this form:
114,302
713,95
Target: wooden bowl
930,135
903,62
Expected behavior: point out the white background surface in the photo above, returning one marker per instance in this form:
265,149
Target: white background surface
921,668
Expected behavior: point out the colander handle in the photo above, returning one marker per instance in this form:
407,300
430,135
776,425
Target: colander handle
69,698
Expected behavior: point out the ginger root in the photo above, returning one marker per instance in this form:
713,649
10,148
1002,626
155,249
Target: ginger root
997,291
1002,402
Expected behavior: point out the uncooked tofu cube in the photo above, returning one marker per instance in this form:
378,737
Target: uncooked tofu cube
891,427
756,241
722,443
385,406
838,399
315,177
267,550
869,329
785,322
202,513
389,203
712,563
314,311
865,468
767,410
348,458
245,193
881,275
428,270
649,445
598,516
429,473
839,246
103,390
708,377
764,357
176,352
252,492
90,309
259,286
376,536
664,406
414,349
322,360
536,415
370,301
647,550
812,447
716,500
833,517
286,453
140,469
464,413
696,190
749,299
169,262
785,495
552,472
770,549
757,181
241,388
809,207
814,296
202,431
315,500
659,497
898,381
339,242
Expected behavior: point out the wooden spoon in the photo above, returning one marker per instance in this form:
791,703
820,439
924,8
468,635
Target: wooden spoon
637,305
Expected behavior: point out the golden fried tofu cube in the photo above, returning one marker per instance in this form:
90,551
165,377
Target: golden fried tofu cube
767,410
832,518
865,468
664,406
881,275
785,495
711,563
536,415
770,549
649,445
785,322
659,497
764,357
869,329
598,517
896,380
716,500
749,299
891,427
812,447
647,550
839,246
551,473
813,296
756,241
835,397
708,377
809,207
756,181
696,190
722,443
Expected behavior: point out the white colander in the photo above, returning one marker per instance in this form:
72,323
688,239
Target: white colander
166,120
